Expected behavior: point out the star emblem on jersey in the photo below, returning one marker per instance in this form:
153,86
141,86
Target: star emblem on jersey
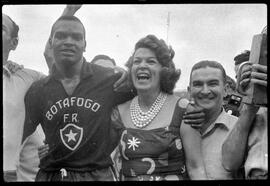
133,143
71,136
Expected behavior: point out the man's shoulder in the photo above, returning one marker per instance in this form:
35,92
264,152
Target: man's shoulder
39,84
33,74
97,69
225,115
227,119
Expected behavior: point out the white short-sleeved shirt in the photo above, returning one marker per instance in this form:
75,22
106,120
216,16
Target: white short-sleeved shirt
15,86
212,141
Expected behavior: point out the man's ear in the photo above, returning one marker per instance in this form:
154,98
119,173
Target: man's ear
14,43
50,42
188,92
226,89
188,89
84,46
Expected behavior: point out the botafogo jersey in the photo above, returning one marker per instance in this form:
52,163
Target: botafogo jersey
76,126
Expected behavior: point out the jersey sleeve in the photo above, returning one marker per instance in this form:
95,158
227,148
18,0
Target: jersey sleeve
123,95
117,127
32,111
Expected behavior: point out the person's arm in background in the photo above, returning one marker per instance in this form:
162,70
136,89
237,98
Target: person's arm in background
69,10
235,146
192,147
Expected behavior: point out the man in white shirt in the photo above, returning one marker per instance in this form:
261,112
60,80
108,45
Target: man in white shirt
207,88
20,162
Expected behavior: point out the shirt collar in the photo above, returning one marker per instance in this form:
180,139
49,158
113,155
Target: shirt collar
86,71
221,121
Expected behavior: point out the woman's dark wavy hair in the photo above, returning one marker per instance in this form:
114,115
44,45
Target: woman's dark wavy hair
169,75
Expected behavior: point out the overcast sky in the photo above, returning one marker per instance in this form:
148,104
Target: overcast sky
196,31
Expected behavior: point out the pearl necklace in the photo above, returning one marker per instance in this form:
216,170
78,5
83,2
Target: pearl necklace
141,119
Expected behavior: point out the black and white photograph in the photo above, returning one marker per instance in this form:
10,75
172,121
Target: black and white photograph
134,92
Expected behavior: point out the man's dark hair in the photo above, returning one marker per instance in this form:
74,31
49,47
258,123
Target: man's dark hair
212,64
240,58
102,56
15,28
68,18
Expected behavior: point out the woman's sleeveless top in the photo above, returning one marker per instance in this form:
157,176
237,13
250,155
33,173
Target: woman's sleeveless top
155,154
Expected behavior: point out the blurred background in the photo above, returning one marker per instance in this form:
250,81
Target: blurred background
195,31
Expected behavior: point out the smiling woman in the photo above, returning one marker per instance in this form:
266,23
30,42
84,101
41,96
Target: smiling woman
154,143
145,70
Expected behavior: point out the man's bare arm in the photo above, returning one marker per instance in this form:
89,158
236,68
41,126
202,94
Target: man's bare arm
234,147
